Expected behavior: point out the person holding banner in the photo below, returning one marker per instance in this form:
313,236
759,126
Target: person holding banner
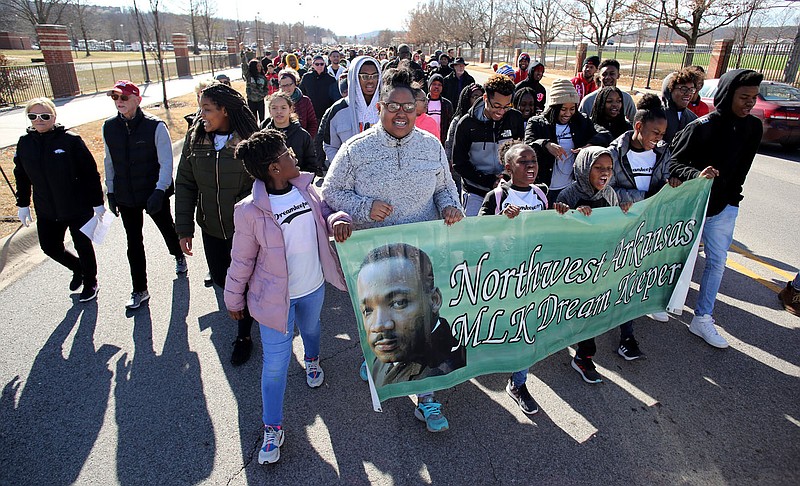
59,169
594,168
727,140
510,198
282,256
392,174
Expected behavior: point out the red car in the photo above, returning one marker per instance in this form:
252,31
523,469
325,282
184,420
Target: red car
778,108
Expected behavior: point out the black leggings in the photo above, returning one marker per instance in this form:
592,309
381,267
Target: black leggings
218,258
257,107
51,240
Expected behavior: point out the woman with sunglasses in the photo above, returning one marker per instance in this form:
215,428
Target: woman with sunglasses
287,82
211,181
58,167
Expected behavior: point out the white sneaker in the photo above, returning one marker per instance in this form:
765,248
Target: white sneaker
659,316
703,326
270,450
314,374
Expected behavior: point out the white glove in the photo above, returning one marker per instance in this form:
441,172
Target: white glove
99,211
24,215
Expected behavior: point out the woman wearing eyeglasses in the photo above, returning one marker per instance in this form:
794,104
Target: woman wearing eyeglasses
394,174
58,167
287,82
677,91
211,181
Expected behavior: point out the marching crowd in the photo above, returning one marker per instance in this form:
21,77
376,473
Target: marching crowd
394,138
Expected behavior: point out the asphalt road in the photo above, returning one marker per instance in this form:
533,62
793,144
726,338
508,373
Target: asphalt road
93,394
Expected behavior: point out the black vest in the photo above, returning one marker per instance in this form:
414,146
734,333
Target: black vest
132,145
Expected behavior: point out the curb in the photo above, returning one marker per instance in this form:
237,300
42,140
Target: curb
19,251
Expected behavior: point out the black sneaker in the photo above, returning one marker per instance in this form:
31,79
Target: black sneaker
180,265
586,369
629,349
76,282
88,293
523,398
241,351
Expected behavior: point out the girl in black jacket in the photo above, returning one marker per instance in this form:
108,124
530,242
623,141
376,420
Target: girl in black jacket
284,118
558,134
62,173
607,112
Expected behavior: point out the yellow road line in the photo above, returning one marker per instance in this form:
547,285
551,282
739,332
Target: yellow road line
741,269
749,255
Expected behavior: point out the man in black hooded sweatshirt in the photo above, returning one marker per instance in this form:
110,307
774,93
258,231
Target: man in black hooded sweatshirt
721,145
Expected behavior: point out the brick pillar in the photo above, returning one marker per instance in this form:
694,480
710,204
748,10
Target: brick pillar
57,53
181,43
580,56
482,57
233,57
720,55
517,52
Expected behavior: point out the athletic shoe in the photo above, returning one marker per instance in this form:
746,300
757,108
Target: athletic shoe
270,450
88,293
180,265
430,412
314,374
137,298
659,316
585,366
523,398
790,298
629,349
241,351
207,280
362,372
703,326
76,282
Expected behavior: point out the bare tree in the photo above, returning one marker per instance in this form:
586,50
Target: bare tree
156,21
601,19
82,14
38,11
692,19
208,8
541,22
194,12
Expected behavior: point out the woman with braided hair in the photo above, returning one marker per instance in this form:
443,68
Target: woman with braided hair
211,181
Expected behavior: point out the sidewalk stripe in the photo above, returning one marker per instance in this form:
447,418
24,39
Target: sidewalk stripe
751,256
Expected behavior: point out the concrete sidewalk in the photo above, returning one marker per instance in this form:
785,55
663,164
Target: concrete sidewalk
84,109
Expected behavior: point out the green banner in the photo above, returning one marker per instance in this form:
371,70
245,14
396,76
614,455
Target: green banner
438,305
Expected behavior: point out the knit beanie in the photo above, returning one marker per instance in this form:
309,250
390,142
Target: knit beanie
435,77
562,91
595,60
506,69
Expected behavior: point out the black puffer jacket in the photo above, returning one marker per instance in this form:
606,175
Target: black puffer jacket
60,169
298,139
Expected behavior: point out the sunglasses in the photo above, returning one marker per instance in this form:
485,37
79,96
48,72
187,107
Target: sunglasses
41,116
115,97
395,107
319,63
368,77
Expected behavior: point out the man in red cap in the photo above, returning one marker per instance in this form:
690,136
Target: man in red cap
138,165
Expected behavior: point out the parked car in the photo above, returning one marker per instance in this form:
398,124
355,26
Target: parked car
777,106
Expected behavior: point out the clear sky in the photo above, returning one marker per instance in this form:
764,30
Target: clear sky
344,17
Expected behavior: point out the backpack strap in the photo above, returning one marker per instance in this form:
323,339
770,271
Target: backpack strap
498,195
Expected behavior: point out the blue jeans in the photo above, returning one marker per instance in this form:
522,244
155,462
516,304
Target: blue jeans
717,238
796,281
303,312
472,203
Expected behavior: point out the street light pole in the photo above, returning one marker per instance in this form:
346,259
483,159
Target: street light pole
655,43
122,28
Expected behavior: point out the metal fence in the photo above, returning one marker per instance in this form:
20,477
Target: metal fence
18,84
769,59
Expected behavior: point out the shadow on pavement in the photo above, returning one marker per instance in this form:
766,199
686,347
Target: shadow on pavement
48,435
164,428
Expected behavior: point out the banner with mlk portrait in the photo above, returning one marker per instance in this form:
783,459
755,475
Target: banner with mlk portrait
438,305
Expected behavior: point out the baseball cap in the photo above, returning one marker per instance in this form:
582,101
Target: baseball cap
124,87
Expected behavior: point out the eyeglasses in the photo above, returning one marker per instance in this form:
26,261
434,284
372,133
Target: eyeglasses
499,107
286,85
368,77
116,97
41,116
395,107
686,90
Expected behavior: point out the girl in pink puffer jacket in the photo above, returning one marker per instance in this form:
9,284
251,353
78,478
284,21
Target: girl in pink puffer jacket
280,260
